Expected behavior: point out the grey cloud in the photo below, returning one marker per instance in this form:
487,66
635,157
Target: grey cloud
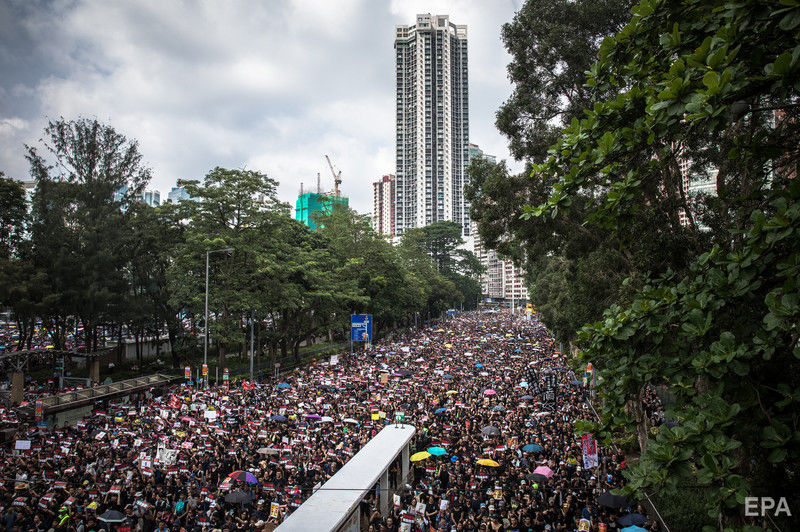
270,85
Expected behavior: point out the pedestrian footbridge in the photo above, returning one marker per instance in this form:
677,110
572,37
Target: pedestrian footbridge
334,507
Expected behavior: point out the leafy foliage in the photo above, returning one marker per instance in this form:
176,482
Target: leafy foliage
709,85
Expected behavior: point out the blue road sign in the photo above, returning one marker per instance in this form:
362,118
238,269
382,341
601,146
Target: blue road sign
361,327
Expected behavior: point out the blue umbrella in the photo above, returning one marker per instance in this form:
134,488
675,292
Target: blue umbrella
437,451
632,520
576,383
440,411
478,365
634,528
532,448
446,376
284,385
278,418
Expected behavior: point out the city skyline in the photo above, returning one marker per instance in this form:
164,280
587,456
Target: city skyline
271,88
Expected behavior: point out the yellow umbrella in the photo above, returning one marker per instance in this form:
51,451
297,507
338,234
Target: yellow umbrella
487,462
450,392
422,455
448,346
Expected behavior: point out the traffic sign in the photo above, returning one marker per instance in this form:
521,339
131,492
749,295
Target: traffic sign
205,370
361,327
187,372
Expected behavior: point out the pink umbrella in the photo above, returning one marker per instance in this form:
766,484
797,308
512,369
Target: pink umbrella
489,392
543,470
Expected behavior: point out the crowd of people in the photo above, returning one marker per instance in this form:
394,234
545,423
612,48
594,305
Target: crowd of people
165,462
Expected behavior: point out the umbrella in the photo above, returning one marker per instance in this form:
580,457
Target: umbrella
536,477
112,516
610,500
446,376
326,419
532,448
440,411
576,383
437,451
487,462
237,497
278,418
478,365
632,520
422,455
350,420
490,430
313,416
528,397
244,476
450,392
499,408
404,372
489,391
544,470
284,385
634,529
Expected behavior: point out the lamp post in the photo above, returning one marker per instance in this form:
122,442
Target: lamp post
205,339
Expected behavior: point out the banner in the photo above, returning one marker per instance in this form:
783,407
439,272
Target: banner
589,451
549,389
187,372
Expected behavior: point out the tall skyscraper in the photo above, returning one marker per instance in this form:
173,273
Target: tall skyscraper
432,123
383,205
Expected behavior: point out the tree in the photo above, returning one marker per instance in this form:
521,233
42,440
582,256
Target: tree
13,215
698,81
552,44
230,209
440,241
87,176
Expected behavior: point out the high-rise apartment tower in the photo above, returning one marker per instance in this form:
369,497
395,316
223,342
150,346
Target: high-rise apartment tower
383,206
432,123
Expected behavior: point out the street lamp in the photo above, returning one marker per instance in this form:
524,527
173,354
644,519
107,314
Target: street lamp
205,339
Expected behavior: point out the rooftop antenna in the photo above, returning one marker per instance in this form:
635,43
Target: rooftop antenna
319,184
301,188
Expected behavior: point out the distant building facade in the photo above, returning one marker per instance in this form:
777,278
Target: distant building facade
432,109
383,205
311,203
177,193
502,280
476,151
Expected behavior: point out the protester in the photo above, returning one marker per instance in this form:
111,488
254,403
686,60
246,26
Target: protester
460,383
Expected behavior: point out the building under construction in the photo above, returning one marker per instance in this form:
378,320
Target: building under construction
309,204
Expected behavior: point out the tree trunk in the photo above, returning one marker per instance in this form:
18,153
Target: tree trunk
635,407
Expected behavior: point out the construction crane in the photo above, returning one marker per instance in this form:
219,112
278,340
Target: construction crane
337,178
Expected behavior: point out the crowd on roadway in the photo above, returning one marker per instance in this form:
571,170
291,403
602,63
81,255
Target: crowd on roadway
164,462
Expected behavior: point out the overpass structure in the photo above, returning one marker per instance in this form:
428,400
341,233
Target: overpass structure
334,507
78,398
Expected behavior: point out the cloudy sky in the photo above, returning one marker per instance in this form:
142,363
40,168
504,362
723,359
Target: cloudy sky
267,85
